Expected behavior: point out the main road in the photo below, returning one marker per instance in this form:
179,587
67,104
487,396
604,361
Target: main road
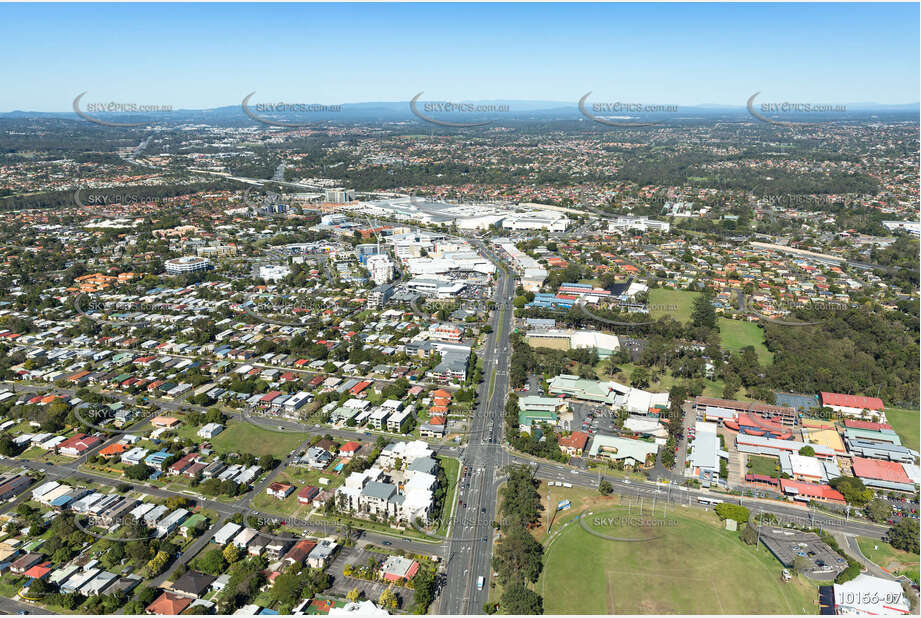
470,537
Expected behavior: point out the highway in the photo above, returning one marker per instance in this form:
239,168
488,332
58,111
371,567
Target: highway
470,539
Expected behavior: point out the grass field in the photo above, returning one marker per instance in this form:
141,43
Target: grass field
888,557
763,465
691,567
676,304
735,335
905,423
451,467
241,437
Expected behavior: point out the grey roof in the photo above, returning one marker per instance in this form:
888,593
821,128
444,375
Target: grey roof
423,464
376,489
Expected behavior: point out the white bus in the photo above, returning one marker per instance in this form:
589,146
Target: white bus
711,501
479,582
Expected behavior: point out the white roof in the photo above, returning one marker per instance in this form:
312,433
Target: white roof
866,594
44,488
806,466
913,472
226,533
360,608
594,339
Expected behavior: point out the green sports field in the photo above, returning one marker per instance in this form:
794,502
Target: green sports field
905,423
692,567
676,304
736,334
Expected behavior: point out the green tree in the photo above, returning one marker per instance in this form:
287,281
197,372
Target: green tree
519,599
212,562
605,488
639,378
726,510
138,472
807,451
287,588
904,535
387,600
231,553
878,510
703,315
853,490
518,555
423,589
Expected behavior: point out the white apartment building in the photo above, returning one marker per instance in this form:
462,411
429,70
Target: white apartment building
381,269
187,264
624,223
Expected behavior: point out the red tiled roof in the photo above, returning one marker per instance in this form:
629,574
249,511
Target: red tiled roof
270,396
350,447
851,401
855,424
169,604
79,442
39,570
577,440
308,492
811,490
760,478
114,449
880,470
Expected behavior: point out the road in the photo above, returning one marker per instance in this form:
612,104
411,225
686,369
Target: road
468,547
669,493
470,538
12,607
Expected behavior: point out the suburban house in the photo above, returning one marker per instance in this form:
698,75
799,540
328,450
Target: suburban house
279,490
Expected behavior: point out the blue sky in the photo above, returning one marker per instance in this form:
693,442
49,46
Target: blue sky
207,55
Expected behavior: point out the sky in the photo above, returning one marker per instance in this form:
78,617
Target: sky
197,56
